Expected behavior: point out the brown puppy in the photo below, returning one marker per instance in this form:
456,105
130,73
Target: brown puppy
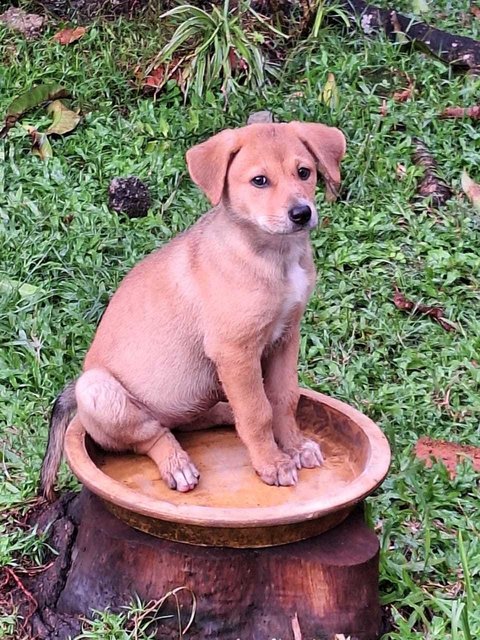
214,315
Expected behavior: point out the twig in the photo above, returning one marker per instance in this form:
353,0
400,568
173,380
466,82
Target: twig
11,575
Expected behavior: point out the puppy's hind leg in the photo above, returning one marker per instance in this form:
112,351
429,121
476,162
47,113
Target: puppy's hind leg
119,422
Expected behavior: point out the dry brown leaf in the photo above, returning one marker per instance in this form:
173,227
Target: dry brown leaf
405,94
40,144
237,62
64,120
471,189
67,36
475,11
156,77
432,186
400,36
297,633
461,112
436,313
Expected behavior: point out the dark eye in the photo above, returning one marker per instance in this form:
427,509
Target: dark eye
304,173
259,181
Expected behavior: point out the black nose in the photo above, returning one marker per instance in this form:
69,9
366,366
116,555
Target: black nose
300,215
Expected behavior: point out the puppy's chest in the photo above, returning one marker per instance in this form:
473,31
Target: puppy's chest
296,291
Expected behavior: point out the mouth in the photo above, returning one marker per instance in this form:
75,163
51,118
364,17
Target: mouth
291,228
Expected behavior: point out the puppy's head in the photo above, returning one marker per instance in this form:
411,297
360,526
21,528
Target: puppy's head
266,173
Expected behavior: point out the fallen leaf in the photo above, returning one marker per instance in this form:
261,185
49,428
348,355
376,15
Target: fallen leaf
297,633
29,24
461,112
330,92
67,36
237,62
475,11
30,99
25,290
40,143
64,120
156,77
436,313
471,189
432,185
384,108
405,94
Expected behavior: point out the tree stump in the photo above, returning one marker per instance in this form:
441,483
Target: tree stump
330,581
257,559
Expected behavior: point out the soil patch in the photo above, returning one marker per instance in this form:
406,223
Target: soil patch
450,453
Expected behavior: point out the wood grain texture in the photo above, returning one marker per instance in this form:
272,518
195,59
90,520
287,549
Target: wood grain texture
330,581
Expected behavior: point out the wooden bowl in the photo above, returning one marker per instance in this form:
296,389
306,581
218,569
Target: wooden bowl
231,506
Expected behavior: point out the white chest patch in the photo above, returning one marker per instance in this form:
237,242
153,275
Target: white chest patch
296,292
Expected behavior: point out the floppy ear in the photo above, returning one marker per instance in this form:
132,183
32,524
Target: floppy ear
327,145
208,163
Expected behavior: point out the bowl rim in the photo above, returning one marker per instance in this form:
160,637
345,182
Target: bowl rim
116,492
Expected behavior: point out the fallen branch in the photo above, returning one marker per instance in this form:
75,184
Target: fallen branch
458,51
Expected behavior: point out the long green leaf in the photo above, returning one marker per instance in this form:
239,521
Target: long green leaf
187,8
266,24
199,71
202,47
182,34
30,99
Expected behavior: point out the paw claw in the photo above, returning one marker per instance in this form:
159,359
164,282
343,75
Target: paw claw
306,455
281,473
180,473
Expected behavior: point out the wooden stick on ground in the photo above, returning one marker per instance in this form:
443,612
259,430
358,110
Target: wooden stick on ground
458,51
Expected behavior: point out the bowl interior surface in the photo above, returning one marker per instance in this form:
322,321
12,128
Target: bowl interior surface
228,481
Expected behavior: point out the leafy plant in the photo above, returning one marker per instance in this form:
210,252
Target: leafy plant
322,10
220,45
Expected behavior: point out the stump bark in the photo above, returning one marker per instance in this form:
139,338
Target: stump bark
330,582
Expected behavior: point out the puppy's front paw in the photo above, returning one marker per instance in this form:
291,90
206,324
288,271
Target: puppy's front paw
282,472
306,455
179,472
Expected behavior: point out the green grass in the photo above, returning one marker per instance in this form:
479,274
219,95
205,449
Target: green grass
57,234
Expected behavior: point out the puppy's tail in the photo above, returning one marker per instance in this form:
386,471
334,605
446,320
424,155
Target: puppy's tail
62,412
